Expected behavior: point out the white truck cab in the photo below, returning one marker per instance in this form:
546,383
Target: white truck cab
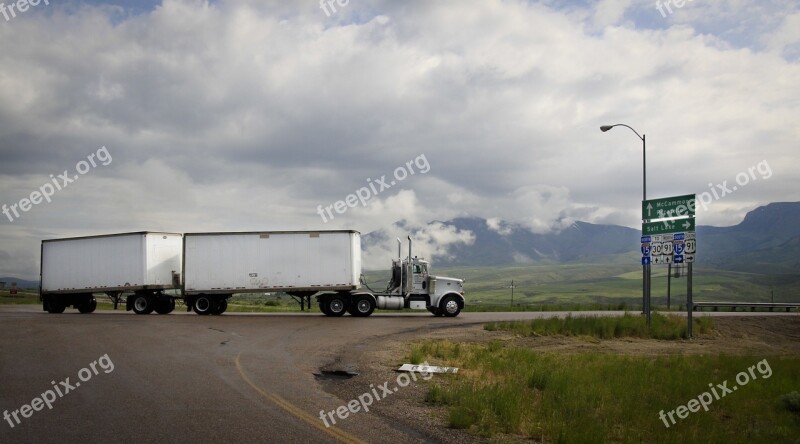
411,286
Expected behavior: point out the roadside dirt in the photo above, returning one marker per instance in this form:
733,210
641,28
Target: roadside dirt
406,410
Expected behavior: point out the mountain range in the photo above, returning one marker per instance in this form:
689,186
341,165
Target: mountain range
766,241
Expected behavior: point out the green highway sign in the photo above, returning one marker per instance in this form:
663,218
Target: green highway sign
669,207
668,226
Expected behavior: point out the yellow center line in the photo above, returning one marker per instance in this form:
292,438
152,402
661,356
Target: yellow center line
337,433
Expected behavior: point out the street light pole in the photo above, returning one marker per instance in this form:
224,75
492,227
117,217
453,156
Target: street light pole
645,268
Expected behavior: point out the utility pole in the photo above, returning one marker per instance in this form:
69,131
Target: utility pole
646,271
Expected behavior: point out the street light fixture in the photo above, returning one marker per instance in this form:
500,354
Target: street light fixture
645,268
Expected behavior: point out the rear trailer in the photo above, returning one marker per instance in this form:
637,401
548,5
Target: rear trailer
140,265
299,263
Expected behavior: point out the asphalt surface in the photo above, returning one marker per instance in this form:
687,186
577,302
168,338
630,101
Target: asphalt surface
188,378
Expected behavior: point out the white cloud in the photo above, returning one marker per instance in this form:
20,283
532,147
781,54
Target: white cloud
430,239
610,12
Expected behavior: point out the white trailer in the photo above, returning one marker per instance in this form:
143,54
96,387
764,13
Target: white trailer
300,263
143,263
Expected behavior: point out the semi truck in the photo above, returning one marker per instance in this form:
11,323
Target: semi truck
153,270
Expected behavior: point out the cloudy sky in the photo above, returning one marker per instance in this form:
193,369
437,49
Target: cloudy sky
261,115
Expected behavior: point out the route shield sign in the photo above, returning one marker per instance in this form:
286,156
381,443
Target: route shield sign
669,207
646,250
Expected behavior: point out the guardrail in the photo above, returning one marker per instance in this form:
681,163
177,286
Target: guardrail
698,306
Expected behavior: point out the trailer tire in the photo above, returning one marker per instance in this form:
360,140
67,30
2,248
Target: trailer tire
450,307
165,306
204,305
362,307
55,306
143,304
336,305
323,307
222,305
88,306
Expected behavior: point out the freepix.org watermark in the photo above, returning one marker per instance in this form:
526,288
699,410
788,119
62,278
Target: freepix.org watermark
57,183
61,389
325,4
744,178
718,191
364,401
377,186
9,12
677,3
719,391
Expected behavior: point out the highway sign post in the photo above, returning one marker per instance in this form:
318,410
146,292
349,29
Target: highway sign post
668,237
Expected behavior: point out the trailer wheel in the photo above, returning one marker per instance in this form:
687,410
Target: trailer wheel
143,305
450,307
55,306
88,306
323,307
203,305
222,305
336,306
165,306
362,307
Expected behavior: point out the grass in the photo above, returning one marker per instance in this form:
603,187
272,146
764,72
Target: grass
22,297
607,327
239,307
594,397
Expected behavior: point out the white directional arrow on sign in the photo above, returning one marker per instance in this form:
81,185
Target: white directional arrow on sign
649,208
686,225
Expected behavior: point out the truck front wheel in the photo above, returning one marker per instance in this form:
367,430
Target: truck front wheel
450,307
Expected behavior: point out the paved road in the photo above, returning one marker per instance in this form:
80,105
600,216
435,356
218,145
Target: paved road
187,378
